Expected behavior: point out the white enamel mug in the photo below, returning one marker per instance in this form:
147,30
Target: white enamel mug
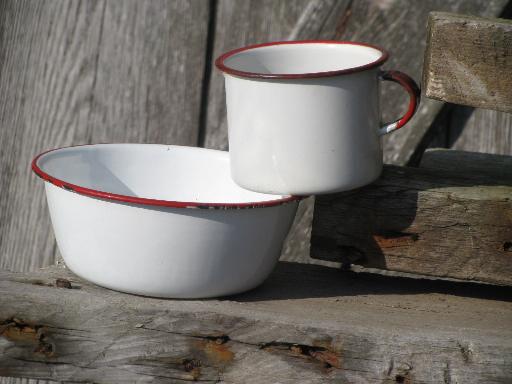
304,117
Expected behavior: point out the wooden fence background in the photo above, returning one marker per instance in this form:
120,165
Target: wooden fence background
92,71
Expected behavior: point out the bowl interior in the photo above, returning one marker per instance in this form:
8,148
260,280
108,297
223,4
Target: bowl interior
151,171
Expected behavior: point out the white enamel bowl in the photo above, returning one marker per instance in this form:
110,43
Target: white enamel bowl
161,220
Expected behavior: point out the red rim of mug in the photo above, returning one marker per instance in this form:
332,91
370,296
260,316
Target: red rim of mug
220,61
144,201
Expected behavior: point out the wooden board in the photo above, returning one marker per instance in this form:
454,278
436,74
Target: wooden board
497,167
74,72
484,131
475,129
424,221
468,61
335,327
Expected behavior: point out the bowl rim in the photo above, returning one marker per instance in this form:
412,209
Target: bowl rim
221,65
70,187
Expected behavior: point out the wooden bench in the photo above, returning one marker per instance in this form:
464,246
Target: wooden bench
306,324
449,218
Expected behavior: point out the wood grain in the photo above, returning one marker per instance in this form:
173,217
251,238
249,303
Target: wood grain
484,131
74,72
149,72
475,129
48,52
498,167
468,61
424,221
335,327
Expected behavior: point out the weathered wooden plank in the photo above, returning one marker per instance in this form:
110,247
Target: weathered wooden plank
149,74
335,327
74,72
475,129
484,131
423,221
498,167
46,78
17,380
468,61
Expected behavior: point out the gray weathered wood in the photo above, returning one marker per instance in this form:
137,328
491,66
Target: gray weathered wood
484,131
424,221
74,72
478,130
17,380
498,167
468,61
149,74
335,327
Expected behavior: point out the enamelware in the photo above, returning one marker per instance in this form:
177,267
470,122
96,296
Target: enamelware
303,116
161,220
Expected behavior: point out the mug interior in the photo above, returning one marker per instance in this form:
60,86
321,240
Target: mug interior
296,58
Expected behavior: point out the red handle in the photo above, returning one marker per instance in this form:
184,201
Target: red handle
414,98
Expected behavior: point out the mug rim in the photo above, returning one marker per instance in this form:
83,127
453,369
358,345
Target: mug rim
220,61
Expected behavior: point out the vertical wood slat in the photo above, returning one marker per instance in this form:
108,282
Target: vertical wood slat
484,131
48,56
476,130
149,72
74,72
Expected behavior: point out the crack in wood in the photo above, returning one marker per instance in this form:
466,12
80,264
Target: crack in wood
217,351
328,358
343,21
212,349
466,351
59,283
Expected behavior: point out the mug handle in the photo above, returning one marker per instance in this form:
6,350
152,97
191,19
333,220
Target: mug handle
414,99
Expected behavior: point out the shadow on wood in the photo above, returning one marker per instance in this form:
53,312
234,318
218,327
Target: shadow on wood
306,281
431,222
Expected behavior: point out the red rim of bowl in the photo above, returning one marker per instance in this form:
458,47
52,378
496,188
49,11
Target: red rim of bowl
144,201
220,61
